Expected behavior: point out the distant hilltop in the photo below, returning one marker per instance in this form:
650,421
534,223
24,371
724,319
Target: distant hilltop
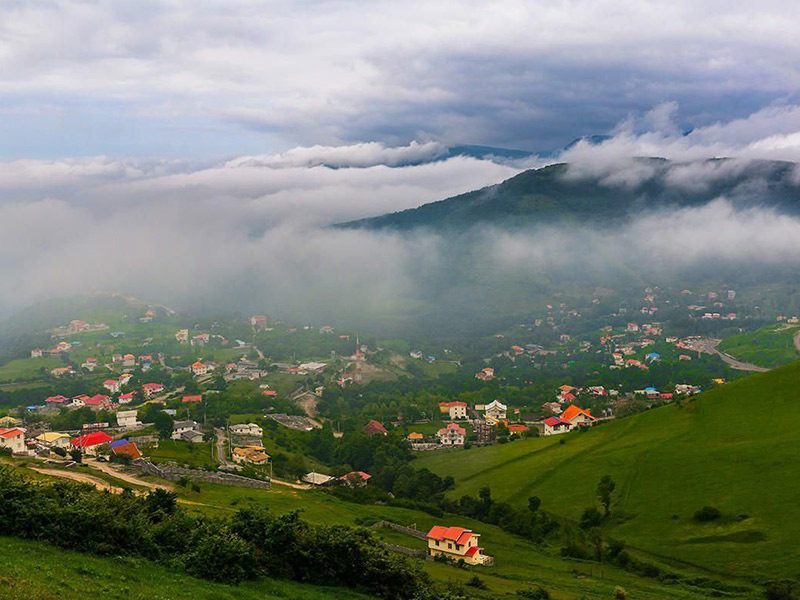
570,193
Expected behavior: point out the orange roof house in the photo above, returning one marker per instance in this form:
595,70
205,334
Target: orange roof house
575,415
456,543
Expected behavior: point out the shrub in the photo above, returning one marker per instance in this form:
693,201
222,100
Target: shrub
706,514
537,593
620,593
477,583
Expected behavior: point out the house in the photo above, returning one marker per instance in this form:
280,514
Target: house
576,416
452,435
91,443
318,478
485,374
456,543
13,438
126,398
554,426
9,422
125,448
97,402
517,428
313,367
486,433
456,409
129,360
355,478
198,398
566,397
199,368
495,410
182,335
61,371
374,428
246,429
152,389
79,401
127,419
116,358
415,437
124,379
53,439
179,428
193,436
37,353
56,400
258,321
112,385
253,455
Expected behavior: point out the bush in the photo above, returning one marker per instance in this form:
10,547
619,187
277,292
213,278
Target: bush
477,583
620,593
537,593
780,590
707,514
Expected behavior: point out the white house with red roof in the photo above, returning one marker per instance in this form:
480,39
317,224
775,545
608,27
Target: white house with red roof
97,402
554,426
13,438
53,400
452,435
455,409
199,368
355,478
152,389
112,385
495,410
456,543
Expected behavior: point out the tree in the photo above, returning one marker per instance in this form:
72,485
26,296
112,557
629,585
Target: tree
164,425
590,518
604,490
534,502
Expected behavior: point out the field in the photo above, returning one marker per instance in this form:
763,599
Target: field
769,346
37,571
519,563
734,448
28,368
182,453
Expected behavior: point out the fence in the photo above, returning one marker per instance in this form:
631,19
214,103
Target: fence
172,472
402,529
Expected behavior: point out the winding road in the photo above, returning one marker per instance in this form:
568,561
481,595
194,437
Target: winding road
709,346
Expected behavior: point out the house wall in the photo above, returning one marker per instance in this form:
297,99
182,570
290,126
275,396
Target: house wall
17,444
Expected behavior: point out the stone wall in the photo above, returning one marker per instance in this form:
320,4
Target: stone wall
172,472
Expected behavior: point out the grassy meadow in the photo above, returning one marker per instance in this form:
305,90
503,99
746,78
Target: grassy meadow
734,448
768,347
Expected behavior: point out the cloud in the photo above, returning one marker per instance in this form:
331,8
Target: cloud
175,79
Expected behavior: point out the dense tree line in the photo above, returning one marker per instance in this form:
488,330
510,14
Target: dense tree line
252,543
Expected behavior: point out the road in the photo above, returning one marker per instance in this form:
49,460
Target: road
797,340
709,346
220,450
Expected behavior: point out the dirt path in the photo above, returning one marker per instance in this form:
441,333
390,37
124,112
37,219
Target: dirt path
80,477
297,486
109,470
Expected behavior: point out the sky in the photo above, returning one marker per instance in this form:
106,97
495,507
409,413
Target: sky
195,153
223,78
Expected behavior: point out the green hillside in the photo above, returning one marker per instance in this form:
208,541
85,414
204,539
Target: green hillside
37,571
734,448
769,346
551,195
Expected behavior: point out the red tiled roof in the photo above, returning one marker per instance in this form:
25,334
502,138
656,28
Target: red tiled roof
91,439
552,421
472,551
96,400
7,434
374,427
459,535
193,398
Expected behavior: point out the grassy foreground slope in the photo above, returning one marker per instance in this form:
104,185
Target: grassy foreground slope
735,448
37,571
769,346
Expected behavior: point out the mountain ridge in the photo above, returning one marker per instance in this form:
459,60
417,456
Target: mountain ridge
562,193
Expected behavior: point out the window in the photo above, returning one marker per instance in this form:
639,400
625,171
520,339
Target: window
449,546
